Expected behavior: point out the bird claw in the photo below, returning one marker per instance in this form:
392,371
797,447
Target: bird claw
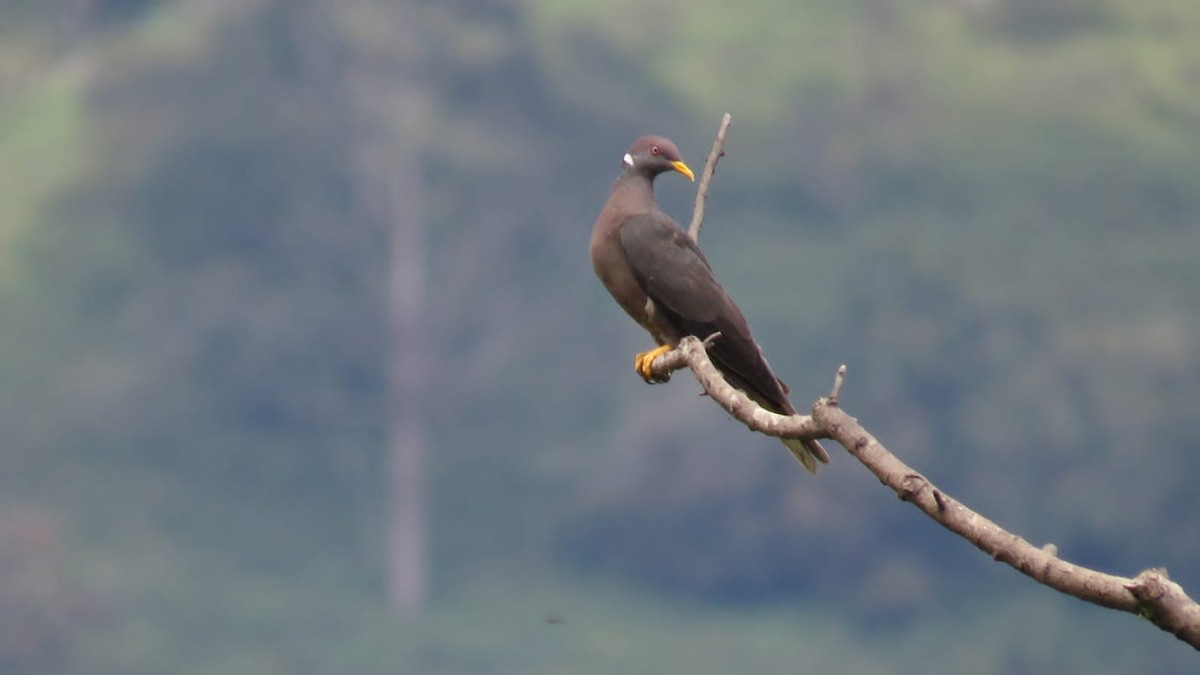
643,364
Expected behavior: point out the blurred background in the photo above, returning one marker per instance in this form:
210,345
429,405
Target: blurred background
304,368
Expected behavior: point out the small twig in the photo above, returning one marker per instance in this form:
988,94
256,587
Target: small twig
710,168
838,380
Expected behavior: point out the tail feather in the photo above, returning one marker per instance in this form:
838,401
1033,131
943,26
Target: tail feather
808,452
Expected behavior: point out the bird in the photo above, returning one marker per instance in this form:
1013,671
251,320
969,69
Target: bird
657,273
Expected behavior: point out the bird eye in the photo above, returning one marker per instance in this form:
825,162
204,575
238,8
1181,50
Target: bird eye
655,150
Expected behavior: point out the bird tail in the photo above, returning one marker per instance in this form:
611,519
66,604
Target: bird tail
808,452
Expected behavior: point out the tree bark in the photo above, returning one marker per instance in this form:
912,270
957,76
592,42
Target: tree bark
1150,594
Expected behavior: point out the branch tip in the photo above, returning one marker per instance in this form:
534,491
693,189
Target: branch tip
710,168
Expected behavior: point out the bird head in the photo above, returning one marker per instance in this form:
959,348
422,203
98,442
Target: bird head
652,155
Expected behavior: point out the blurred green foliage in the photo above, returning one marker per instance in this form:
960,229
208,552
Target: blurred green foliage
988,210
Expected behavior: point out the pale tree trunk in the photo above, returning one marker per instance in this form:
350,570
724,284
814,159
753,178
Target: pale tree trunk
389,109
407,535
385,100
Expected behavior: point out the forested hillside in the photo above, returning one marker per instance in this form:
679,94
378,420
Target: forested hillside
989,210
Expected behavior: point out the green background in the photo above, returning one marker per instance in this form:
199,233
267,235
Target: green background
989,210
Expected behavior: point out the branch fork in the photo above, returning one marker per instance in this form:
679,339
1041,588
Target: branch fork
692,354
1151,594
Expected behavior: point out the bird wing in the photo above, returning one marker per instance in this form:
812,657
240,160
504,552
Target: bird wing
674,274
671,268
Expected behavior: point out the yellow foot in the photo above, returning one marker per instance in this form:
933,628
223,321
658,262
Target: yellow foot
642,364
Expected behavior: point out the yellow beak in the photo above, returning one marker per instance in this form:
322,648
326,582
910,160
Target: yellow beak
683,169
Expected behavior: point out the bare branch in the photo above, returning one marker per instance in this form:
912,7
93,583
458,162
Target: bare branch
1166,605
710,168
1151,594
691,354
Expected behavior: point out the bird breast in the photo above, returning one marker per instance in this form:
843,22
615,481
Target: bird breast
608,259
